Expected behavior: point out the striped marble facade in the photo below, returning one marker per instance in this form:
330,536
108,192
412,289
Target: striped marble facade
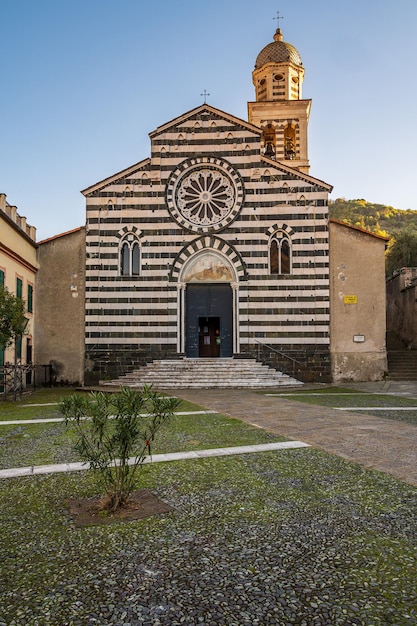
133,318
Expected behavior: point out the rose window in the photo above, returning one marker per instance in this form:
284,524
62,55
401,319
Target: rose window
205,197
204,194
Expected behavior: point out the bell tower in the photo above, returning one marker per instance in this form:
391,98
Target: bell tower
279,109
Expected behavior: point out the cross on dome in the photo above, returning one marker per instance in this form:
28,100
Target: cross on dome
278,18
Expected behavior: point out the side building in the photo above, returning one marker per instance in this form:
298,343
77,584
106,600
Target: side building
60,305
357,303
18,269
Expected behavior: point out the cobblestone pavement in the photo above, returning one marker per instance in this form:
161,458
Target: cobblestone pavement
386,445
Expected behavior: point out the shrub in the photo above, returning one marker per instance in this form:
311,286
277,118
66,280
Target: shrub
114,434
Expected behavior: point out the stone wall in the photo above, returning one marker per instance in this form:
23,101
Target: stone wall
402,307
59,301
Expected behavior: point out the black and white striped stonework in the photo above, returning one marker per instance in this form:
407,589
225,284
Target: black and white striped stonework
130,319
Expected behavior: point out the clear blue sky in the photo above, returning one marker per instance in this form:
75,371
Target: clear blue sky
84,82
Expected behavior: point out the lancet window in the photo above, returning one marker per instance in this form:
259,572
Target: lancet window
129,256
280,254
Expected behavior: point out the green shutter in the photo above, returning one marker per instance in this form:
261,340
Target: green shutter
30,299
1,371
19,287
2,278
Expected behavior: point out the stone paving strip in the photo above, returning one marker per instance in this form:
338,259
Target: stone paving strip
334,393
23,406
156,458
375,408
316,393
47,420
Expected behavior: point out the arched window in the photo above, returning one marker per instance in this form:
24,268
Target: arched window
129,257
290,149
280,254
135,259
274,257
285,257
269,138
125,260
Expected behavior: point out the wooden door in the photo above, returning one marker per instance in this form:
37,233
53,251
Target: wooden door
209,337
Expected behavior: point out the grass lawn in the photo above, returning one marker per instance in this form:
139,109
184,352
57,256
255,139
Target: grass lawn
289,537
348,398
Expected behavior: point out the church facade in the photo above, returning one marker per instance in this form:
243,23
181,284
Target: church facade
217,245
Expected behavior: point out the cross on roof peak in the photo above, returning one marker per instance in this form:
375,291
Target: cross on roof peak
278,18
205,94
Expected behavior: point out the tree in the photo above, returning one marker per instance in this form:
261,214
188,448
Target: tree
114,434
402,252
13,321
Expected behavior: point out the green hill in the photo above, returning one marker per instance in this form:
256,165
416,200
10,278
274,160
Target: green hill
377,218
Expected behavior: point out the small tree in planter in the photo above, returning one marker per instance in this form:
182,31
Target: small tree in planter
115,434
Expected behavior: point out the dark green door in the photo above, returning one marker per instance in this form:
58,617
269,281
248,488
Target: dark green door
209,321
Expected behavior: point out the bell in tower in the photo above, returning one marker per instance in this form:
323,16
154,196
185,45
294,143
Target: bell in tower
269,138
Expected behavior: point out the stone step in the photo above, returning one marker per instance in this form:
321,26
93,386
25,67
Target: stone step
405,359
402,375
402,365
204,373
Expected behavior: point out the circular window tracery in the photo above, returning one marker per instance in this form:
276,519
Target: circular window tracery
205,197
204,194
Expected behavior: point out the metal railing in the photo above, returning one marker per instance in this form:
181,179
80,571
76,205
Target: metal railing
287,357
15,379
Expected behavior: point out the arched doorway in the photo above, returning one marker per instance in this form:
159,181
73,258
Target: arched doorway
209,306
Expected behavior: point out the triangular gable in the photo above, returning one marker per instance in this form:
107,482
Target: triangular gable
293,171
116,177
211,111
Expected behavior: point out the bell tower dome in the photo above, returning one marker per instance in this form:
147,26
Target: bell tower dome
279,108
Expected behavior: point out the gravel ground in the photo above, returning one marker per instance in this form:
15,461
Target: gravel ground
293,537
37,444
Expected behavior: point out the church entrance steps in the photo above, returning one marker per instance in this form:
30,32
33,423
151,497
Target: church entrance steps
204,373
402,365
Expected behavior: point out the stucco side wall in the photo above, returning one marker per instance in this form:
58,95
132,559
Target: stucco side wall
363,366
357,309
402,306
60,294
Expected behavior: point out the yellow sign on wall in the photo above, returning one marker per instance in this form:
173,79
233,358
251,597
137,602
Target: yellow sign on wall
350,299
